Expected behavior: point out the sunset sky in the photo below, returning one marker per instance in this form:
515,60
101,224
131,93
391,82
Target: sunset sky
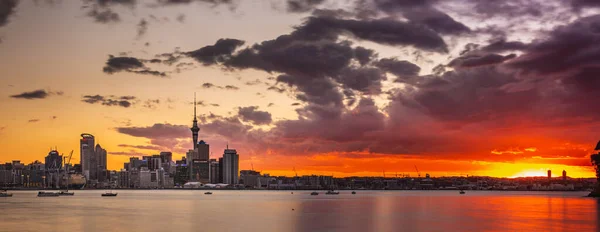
503,88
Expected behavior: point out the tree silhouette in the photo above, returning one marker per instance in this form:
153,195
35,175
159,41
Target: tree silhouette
595,158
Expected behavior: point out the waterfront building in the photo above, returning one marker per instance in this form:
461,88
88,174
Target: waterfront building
86,153
182,173
199,171
124,179
230,166
215,172
100,154
220,170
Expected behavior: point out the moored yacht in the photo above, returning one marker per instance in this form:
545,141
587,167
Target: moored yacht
48,194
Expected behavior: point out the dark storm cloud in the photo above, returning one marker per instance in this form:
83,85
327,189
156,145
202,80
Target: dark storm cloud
502,45
364,55
104,15
470,61
568,47
123,101
302,5
420,12
252,114
581,4
218,52
509,8
468,95
159,130
365,80
383,31
400,68
36,94
129,64
6,10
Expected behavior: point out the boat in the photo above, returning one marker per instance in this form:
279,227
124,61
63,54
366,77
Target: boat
332,192
3,193
109,194
208,193
353,192
66,193
461,192
48,194
314,193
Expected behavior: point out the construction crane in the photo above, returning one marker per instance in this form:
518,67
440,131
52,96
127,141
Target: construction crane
67,163
418,173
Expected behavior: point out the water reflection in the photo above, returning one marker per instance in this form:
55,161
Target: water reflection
282,211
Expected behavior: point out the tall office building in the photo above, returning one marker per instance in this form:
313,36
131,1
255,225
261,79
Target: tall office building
203,150
86,153
230,166
549,175
195,129
215,171
100,154
564,175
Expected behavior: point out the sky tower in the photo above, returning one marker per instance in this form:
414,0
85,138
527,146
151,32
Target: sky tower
195,127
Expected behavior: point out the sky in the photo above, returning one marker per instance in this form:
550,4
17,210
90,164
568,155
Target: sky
332,87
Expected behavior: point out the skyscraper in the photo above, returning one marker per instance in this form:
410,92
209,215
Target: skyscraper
564,175
203,150
195,129
230,166
100,154
86,153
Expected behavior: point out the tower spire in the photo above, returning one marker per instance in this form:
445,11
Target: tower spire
195,127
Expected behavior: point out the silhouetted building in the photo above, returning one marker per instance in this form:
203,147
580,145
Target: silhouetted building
564,175
215,172
182,173
203,150
230,166
86,154
53,160
100,165
549,175
221,170
199,171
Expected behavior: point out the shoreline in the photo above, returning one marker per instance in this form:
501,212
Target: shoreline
591,194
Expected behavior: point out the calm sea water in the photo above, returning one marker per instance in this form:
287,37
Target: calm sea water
180,210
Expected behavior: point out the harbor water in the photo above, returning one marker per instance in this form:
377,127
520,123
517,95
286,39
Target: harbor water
191,210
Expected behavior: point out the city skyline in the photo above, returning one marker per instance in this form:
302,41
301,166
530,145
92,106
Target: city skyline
319,87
